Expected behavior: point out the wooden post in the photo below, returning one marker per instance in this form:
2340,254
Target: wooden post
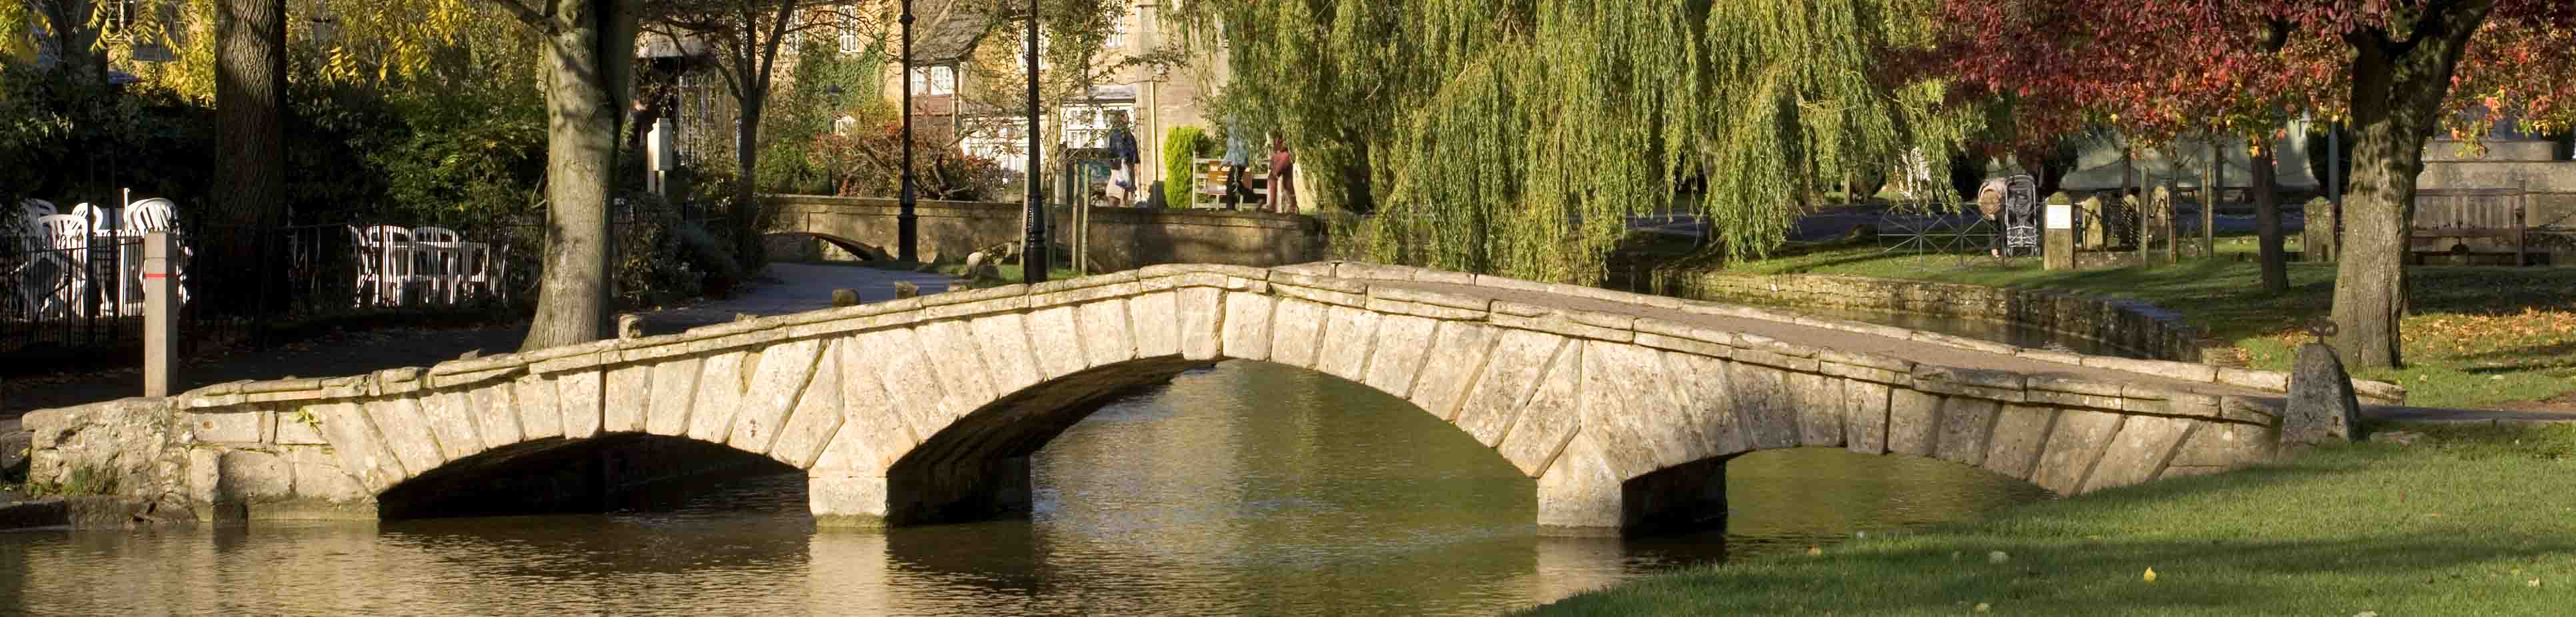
2129,159
2209,206
160,313
2057,233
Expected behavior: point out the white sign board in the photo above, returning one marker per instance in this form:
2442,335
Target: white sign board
2061,216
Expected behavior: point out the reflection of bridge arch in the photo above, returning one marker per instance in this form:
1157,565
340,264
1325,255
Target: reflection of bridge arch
864,251
1620,406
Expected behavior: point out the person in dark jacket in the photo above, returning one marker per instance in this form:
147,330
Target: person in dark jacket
1283,176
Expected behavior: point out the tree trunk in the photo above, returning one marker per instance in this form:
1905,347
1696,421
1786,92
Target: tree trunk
746,215
2267,221
2397,94
250,124
589,61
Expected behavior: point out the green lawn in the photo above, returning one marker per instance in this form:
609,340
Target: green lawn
2470,522
2481,336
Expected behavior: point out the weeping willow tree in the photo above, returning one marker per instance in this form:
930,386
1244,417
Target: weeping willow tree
1517,137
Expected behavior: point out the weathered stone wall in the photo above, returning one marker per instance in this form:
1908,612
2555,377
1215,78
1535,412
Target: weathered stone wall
1122,238
2132,326
926,409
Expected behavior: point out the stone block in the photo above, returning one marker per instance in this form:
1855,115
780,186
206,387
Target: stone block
718,392
1344,351
675,391
2021,433
2269,381
1763,405
1505,381
1913,422
817,414
1106,336
873,432
1819,401
1157,324
357,446
2322,406
1296,327
846,499
251,475
1580,493
2225,445
1245,331
784,370
1708,402
1457,355
230,426
295,427
496,418
1003,341
914,390
629,396
1552,415
1055,338
1628,409
2074,445
1200,311
2201,373
579,398
452,423
1965,424
406,433
1397,352
962,374
537,397
1865,416
1691,346
317,475
2139,453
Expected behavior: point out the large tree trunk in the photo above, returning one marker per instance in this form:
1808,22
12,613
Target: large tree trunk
2397,94
746,219
2267,220
250,179
589,59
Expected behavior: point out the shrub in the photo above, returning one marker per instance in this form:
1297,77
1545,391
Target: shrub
1181,149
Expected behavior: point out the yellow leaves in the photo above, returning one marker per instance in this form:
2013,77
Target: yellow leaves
2151,575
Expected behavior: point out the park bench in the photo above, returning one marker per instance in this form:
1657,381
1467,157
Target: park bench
1208,185
2446,219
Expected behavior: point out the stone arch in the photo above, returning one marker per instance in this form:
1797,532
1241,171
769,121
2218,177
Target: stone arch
865,251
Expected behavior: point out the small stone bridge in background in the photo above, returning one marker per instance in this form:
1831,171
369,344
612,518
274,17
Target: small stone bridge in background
1622,407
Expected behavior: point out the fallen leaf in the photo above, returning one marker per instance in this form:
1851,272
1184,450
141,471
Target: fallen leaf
1815,550
1998,557
2151,575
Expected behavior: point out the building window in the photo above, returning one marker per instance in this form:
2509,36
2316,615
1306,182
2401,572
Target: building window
849,32
939,80
1088,126
1117,30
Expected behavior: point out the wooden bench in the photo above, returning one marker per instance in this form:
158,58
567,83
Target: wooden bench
2446,218
1208,185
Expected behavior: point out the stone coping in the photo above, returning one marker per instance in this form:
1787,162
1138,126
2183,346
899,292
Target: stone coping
826,203
2134,326
2124,384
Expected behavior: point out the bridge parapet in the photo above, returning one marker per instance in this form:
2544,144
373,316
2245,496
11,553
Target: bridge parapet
925,409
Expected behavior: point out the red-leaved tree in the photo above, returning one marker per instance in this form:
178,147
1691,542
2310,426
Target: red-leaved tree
2398,70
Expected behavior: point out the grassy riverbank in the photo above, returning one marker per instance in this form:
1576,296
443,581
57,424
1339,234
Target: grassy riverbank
2467,522
2480,336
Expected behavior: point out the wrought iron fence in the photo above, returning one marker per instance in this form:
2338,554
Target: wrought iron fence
71,297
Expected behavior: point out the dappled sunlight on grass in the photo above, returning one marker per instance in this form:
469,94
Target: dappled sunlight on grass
2480,336
2461,524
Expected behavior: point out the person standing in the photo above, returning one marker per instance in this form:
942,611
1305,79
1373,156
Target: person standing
1283,176
1238,157
1122,145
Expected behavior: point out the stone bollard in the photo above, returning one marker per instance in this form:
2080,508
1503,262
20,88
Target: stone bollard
845,297
160,312
630,326
2322,407
905,289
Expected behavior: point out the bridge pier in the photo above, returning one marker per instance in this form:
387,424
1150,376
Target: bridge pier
1580,496
967,491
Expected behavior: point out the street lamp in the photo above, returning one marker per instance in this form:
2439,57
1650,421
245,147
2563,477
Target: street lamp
1033,249
907,228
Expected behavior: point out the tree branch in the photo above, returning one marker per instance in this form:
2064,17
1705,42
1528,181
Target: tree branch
543,22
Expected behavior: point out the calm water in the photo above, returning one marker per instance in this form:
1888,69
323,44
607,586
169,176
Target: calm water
1248,488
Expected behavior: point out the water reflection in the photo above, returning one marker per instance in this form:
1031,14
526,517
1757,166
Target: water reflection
1249,488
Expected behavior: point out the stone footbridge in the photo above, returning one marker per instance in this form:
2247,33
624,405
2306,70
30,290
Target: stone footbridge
1621,407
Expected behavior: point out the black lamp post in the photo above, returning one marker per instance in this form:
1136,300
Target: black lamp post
1033,250
907,228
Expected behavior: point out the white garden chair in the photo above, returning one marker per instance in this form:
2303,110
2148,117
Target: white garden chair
385,259
67,236
38,207
440,260
37,274
157,214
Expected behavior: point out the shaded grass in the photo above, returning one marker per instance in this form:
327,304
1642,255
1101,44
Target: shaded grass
2480,336
2462,525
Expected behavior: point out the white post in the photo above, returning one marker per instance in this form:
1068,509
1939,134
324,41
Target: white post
160,312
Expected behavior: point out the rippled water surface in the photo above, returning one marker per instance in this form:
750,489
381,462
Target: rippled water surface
1247,488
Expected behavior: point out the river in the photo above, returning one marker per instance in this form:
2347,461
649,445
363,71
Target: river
1246,488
